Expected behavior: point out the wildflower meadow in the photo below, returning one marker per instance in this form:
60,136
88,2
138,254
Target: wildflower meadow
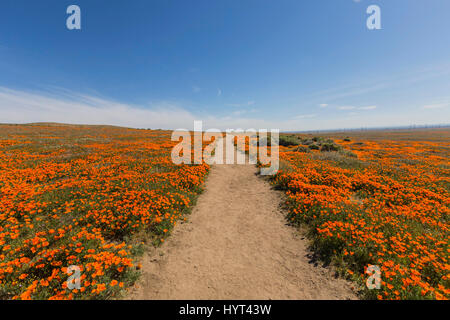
87,196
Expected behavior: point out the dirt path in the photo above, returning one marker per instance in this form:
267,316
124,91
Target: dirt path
236,245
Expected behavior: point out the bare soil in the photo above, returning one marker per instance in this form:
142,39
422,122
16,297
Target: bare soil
236,245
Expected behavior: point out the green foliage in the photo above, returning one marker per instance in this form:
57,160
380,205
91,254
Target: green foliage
302,149
288,141
327,147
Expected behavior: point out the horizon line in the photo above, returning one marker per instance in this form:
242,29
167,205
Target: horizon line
377,128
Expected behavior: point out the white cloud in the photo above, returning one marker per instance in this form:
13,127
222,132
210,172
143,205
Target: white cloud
436,106
323,105
68,107
65,106
367,108
393,80
346,108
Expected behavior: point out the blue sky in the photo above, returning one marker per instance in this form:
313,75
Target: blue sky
287,64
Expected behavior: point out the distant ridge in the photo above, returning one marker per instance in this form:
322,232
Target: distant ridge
58,124
389,128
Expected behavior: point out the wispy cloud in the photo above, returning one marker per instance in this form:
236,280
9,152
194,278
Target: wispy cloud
437,105
323,105
64,106
69,107
391,81
19,106
219,92
196,89
367,108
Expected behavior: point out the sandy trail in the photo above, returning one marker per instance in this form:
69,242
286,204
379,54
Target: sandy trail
236,245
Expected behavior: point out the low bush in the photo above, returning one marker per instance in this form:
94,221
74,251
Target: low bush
302,149
288,141
326,147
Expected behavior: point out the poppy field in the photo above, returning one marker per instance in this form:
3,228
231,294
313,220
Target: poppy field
88,196
376,199
96,196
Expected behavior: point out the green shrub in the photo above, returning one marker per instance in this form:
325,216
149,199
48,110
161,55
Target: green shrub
288,141
302,149
327,147
307,142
